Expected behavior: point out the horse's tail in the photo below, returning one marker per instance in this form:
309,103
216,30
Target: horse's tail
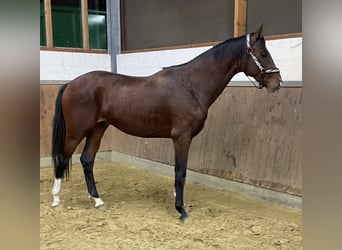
60,162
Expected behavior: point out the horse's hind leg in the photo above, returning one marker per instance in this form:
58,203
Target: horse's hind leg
70,146
88,156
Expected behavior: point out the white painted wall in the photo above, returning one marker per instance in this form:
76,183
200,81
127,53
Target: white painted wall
287,55
65,66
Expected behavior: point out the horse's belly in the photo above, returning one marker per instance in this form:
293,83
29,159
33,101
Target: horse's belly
145,131
143,127
140,115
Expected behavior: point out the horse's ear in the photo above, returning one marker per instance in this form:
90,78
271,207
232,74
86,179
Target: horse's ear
257,34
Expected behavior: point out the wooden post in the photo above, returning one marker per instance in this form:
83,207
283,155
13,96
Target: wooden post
48,23
122,26
240,17
85,27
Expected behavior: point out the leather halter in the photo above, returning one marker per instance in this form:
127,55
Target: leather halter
263,71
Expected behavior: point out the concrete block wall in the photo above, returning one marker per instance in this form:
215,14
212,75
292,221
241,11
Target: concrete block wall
65,66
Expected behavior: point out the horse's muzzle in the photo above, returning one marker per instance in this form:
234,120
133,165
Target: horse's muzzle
272,89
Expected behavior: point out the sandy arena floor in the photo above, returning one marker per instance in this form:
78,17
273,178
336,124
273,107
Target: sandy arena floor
139,214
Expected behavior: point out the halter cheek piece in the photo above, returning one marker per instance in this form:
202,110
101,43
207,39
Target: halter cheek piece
263,71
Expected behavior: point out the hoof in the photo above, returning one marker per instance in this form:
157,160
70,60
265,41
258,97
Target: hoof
183,217
56,202
98,202
183,212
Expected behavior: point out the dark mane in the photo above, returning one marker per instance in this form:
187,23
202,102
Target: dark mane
233,47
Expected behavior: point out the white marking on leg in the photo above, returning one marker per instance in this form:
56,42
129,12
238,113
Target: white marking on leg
174,192
98,202
55,192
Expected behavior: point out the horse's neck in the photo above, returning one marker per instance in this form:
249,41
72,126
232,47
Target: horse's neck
213,77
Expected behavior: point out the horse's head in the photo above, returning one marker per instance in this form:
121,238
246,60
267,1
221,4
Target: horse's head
260,64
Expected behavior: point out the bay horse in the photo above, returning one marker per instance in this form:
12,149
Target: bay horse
172,103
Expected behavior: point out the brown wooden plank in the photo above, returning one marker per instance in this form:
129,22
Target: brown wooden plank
75,50
275,122
294,138
298,142
240,17
122,25
48,23
48,93
233,164
85,25
245,131
222,122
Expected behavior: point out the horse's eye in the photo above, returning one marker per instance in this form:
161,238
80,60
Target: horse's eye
263,54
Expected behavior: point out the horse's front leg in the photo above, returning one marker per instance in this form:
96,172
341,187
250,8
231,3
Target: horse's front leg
182,145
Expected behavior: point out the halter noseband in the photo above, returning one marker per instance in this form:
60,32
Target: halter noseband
263,71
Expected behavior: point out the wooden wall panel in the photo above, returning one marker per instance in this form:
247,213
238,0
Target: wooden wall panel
240,17
253,137
48,94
